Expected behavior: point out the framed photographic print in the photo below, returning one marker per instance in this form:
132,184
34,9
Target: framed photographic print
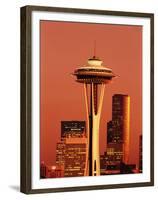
87,106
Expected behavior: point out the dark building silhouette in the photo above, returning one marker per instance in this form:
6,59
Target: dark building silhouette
73,129
140,155
103,164
47,171
43,170
109,132
127,169
109,163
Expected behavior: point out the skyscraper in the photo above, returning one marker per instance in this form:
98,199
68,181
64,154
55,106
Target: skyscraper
118,130
71,150
93,76
75,156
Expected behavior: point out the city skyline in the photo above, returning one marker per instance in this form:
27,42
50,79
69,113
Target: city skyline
59,101
71,150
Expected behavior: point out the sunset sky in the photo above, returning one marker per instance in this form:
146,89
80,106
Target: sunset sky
65,46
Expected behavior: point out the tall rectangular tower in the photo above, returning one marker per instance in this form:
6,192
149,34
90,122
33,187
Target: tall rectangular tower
118,130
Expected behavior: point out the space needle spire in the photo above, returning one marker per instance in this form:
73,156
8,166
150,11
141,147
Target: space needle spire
94,55
93,76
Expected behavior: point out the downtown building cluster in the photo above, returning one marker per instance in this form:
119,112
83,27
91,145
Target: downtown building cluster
71,150
116,158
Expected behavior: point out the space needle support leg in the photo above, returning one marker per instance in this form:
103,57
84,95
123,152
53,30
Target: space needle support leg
93,111
96,113
102,89
86,172
90,154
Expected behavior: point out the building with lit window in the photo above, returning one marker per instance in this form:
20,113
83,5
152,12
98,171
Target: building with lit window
73,129
109,132
60,153
72,148
48,171
118,136
55,171
75,156
114,153
118,130
43,170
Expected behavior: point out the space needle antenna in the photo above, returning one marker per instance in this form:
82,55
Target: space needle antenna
95,47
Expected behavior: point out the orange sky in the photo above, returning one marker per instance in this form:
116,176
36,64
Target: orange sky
65,46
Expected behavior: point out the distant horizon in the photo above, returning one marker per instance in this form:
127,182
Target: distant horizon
61,52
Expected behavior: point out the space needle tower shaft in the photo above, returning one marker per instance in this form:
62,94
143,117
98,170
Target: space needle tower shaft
93,76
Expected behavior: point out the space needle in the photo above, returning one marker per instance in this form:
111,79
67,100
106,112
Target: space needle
94,75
